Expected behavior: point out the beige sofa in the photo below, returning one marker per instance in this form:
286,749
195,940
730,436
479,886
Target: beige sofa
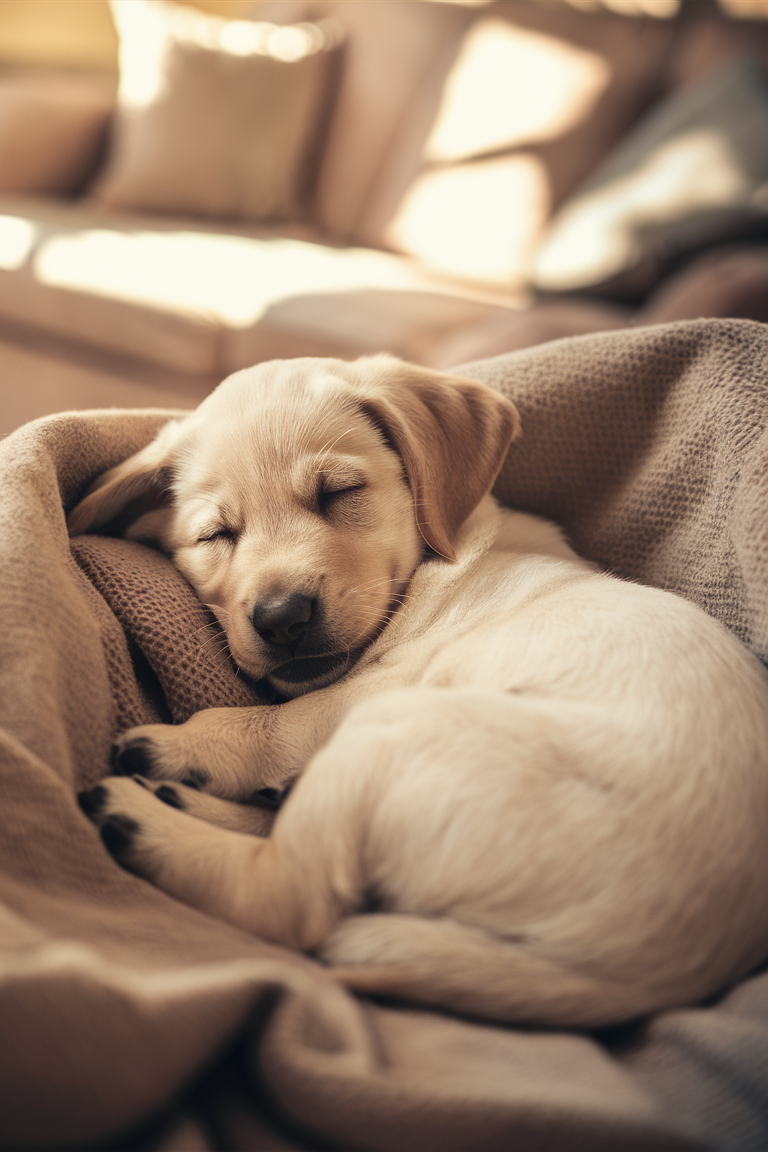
454,143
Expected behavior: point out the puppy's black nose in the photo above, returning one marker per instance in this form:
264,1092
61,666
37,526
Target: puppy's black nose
283,619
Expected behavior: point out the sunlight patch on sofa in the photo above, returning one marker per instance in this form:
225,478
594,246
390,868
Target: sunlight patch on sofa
222,278
511,86
17,240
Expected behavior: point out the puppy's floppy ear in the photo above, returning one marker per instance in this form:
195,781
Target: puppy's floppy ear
140,483
452,435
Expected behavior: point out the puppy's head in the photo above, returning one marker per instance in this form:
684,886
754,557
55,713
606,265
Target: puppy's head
301,495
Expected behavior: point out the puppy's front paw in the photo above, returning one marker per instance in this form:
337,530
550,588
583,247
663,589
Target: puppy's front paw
255,818
217,751
158,752
149,829
126,815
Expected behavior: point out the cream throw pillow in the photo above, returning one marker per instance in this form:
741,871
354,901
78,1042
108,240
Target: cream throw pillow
216,117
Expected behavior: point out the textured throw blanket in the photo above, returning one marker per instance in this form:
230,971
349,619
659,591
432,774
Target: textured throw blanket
128,1020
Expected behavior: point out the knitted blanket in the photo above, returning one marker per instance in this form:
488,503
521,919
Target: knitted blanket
128,1020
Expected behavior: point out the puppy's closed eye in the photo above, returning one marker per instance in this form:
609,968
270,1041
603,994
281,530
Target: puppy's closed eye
340,490
221,535
327,498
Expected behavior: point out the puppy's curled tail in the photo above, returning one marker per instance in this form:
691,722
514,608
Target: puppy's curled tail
446,964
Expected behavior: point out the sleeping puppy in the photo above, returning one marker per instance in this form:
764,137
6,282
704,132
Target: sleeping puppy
522,789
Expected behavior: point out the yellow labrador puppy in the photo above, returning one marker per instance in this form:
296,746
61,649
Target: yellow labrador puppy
522,788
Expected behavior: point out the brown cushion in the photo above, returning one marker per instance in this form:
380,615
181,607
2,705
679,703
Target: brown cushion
216,116
51,131
179,660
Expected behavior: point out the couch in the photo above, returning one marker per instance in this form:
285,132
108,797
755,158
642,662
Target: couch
130,1021
436,167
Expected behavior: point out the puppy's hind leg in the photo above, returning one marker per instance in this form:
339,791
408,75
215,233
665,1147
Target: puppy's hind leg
454,966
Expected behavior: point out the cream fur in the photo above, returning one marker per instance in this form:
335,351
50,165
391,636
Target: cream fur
533,792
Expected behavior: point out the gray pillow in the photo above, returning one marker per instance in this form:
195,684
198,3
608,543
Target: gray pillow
692,172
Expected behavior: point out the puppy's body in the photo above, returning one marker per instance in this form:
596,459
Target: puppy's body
536,793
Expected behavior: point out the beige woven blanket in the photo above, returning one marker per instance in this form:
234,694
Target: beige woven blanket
130,1021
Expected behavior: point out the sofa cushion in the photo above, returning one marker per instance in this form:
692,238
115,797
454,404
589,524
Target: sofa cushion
216,117
207,301
52,131
693,171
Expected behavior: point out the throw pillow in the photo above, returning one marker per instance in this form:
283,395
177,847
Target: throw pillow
216,117
51,131
694,171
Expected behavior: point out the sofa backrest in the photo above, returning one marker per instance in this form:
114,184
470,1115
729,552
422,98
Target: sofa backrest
402,53
380,180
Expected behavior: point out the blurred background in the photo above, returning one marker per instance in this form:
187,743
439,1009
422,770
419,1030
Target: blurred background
189,189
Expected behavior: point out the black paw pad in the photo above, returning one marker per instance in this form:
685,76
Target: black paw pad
136,759
93,800
118,833
196,778
169,796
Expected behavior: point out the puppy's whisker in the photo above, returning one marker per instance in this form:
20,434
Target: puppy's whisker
208,624
332,445
219,623
360,593
381,619
365,591
210,628
328,445
206,634
217,644
215,636
375,582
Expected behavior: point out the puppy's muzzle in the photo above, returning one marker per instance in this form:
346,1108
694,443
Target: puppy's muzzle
283,620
